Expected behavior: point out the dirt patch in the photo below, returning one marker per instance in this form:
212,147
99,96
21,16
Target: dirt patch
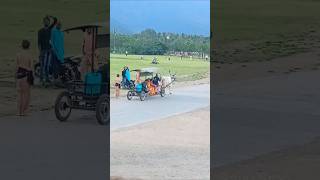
280,45
41,98
177,147
296,163
226,72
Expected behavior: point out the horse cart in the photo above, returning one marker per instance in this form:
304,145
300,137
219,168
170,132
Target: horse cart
150,85
93,93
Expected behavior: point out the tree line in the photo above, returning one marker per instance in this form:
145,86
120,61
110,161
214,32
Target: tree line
150,42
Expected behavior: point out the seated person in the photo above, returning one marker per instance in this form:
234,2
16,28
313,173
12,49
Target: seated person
139,86
144,86
156,80
151,87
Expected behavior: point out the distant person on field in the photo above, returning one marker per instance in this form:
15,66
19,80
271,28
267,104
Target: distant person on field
24,77
155,60
117,85
57,43
126,53
44,36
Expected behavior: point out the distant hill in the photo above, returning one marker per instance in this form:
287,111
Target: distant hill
119,27
177,16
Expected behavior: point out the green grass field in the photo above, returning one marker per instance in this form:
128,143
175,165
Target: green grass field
186,69
21,19
258,30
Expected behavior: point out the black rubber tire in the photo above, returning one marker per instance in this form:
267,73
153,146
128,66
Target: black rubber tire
130,95
103,110
77,75
37,70
131,85
142,95
58,104
163,92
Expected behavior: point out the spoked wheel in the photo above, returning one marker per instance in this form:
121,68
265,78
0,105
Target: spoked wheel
130,94
142,95
63,106
37,70
102,110
163,92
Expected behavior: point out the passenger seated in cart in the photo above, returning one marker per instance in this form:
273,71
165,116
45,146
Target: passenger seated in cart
139,86
151,87
144,86
156,80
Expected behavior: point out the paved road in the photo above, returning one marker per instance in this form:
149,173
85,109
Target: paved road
40,147
263,115
126,113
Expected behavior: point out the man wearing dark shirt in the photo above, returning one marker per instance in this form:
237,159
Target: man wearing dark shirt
44,35
156,80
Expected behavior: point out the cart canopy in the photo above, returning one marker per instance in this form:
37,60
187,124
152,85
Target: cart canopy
147,71
102,40
88,26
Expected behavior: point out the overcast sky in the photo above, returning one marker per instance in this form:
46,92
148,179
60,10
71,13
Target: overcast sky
181,16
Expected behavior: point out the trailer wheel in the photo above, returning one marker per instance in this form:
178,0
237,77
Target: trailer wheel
62,106
37,70
103,110
142,95
130,94
163,92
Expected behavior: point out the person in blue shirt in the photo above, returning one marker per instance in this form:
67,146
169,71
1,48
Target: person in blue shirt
128,76
44,37
57,43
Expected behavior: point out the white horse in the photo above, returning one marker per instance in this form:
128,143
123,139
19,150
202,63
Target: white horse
166,81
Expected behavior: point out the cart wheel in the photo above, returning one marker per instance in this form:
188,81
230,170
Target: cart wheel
102,110
37,70
142,95
163,92
62,106
130,94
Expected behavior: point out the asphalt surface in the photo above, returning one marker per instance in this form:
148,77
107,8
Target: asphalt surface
126,113
258,116
40,147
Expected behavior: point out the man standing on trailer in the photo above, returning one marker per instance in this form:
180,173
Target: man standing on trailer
44,36
57,43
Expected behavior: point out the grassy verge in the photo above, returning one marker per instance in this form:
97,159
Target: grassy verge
250,30
186,69
26,19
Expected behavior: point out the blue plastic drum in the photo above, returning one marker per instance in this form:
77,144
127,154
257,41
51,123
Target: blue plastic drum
138,88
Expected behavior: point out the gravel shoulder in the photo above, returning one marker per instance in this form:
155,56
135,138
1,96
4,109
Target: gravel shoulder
177,147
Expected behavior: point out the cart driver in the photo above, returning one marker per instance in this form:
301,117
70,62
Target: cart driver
156,80
152,88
